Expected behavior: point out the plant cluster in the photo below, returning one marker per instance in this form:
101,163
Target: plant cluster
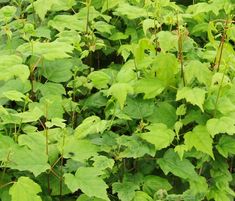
107,100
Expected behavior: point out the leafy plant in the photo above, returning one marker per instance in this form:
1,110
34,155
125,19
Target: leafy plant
105,100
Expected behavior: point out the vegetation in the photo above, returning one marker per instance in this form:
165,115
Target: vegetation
107,100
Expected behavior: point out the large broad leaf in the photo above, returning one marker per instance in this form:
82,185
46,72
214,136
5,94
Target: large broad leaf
62,22
57,71
79,150
181,168
142,196
11,66
167,40
134,147
100,79
226,145
29,116
7,13
221,125
158,135
84,197
32,160
154,183
25,189
164,113
42,6
131,12
50,50
198,70
200,139
151,87
137,108
89,181
165,67
195,96
6,146
91,125
120,91
125,190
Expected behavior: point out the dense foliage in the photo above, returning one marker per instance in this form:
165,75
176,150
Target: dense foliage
105,100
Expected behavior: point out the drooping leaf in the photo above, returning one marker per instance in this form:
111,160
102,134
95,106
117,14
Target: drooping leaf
181,168
91,125
226,145
100,79
142,196
151,87
120,91
88,180
42,6
137,108
195,96
154,183
134,147
50,50
125,190
158,135
79,149
221,125
25,189
200,139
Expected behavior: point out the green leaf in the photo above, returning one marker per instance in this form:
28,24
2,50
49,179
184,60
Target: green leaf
11,67
165,67
41,7
167,40
79,150
200,139
90,125
142,196
25,189
151,87
84,197
103,27
14,95
131,12
57,71
198,70
221,125
30,116
195,96
103,162
120,91
158,135
226,145
137,108
50,50
71,22
154,183
164,113
7,13
88,180
134,147
100,79
181,168
125,190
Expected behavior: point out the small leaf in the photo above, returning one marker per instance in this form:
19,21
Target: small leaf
195,96
25,189
42,6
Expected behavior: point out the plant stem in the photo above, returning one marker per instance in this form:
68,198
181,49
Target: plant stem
219,54
180,52
88,3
